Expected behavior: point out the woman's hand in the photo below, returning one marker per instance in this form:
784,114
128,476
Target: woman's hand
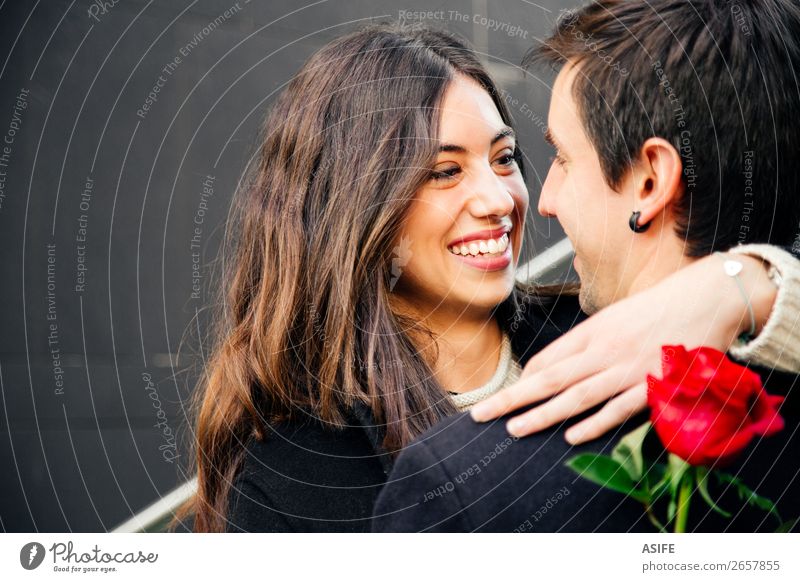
608,356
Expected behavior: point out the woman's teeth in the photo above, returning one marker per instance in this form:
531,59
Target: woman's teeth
481,247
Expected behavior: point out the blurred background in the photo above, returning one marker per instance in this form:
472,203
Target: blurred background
126,126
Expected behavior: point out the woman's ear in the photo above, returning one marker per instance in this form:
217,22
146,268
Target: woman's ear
658,178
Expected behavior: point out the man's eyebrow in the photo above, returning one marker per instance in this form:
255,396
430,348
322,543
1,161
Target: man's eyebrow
505,132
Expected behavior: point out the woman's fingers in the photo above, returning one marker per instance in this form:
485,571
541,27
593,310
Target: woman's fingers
614,413
538,386
574,400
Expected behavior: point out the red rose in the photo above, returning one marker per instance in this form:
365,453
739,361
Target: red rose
706,408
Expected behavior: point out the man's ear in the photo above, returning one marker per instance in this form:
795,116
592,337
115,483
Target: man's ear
658,178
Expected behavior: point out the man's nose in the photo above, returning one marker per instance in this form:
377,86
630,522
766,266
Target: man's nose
547,197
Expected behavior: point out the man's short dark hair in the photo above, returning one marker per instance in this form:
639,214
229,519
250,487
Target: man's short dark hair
719,80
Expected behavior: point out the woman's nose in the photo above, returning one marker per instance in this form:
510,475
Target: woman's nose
491,196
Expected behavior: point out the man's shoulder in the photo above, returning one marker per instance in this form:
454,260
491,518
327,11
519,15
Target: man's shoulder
458,435
462,475
540,319
562,310
459,441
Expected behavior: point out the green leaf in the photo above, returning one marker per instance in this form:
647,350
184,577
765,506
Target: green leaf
749,496
662,480
606,472
628,452
788,526
702,487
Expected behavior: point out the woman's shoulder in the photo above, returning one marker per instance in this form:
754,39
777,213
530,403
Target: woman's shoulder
305,476
309,450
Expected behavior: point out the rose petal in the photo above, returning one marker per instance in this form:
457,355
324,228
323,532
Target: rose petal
706,408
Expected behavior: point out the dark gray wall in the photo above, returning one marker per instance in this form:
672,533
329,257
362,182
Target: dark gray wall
96,293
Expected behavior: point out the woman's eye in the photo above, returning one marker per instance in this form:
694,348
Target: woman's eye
507,160
445,174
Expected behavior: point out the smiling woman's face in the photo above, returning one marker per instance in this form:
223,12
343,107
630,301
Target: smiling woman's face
461,239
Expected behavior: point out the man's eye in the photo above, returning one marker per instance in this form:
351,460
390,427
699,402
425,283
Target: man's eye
558,160
445,174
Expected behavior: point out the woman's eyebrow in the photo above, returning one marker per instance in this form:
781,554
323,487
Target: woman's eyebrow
505,132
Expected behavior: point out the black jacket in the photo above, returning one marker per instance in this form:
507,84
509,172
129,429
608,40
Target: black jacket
464,476
306,477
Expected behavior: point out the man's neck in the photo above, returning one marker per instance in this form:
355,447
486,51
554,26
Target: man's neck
665,259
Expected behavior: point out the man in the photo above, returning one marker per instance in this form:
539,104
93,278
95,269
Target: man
674,135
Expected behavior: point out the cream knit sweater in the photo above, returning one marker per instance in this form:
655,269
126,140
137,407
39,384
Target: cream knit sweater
778,344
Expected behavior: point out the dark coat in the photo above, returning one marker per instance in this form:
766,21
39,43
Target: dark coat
307,477
464,476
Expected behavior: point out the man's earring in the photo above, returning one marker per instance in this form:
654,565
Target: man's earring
634,220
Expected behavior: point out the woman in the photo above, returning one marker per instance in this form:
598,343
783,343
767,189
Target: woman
371,289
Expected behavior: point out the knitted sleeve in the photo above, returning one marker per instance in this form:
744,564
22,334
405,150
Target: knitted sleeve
778,344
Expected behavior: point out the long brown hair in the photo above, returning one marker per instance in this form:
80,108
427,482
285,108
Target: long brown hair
306,329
